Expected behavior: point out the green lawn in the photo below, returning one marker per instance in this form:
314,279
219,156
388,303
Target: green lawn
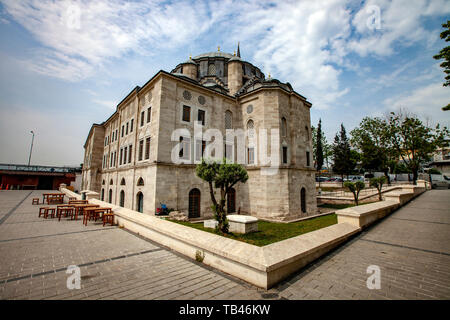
270,232
336,206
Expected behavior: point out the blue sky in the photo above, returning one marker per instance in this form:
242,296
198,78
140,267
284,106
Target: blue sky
66,64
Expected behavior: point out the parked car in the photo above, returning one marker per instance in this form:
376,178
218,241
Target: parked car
439,180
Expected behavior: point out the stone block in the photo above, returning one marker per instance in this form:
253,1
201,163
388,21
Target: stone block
210,224
242,224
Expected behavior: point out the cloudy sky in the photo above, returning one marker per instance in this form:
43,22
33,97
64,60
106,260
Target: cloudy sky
66,64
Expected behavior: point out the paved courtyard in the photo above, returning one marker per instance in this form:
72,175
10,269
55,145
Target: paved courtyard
411,247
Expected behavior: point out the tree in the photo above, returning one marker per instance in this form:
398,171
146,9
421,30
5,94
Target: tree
355,188
222,176
344,163
327,151
413,141
445,54
318,150
378,183
376,148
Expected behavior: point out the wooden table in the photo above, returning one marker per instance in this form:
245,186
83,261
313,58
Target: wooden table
94,212
53,197
66,209
79,208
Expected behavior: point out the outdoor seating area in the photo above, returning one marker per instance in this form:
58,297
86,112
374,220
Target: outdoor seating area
73,209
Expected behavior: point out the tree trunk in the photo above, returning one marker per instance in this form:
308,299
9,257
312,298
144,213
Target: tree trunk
415,175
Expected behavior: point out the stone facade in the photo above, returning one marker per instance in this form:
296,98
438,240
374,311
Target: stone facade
206,87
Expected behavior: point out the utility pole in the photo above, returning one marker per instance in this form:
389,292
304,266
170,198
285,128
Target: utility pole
31,149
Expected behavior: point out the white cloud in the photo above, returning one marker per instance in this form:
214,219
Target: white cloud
307,43
106,103
426,102
401,22
81,35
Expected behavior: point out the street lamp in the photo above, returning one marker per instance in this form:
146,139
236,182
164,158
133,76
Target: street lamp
31,149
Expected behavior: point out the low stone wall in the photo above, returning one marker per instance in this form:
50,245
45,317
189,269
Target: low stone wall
364,215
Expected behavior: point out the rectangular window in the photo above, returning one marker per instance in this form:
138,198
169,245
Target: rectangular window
200,146
125,155
229,151
142,118
149,114
116,134
141,147
285,155
131,125
201,117
126,130
186,113
250,155
185,144
120,157
307,158
147,148
110,160
123,130
129,153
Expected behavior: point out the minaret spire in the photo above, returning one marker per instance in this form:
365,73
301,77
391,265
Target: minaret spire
238,51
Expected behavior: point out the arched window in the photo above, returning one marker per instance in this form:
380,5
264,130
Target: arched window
122,182
111,182
140,182
250,128
228,120
303,200
122,198
283,127
103,194
194,203
231,201
140,202
103,182
110,196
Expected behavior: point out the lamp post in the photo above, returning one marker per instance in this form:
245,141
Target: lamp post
31,149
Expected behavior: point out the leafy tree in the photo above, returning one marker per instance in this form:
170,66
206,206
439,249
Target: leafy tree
445,54
434,171
377,152
318,149
342,156
355,188
378,183
413,141
222,176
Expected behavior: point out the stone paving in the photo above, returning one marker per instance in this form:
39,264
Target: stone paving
411,247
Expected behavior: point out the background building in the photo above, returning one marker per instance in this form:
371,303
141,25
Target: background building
128,157
20,177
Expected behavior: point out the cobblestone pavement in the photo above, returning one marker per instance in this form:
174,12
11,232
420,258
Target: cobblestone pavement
411,247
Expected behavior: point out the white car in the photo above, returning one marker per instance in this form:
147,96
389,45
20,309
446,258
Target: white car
439,180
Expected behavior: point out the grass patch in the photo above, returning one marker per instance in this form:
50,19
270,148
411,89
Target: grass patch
336,206
270,232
